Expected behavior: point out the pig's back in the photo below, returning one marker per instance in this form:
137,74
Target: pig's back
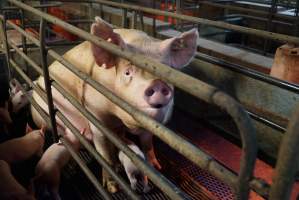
81,57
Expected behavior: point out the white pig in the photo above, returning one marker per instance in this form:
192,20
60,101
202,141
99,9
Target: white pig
131,170
17,97
139,88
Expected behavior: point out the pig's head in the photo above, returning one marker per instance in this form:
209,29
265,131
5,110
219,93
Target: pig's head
138,87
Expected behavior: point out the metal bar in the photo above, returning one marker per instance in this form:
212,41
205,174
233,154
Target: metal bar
141,20
124,19
249,72
261,187
287,162
75,131
82,165
134,20
296,23
43,54
3,38
192,85
154,19
50,4
272,11
247,10
85,169
24,42
261,33
158,179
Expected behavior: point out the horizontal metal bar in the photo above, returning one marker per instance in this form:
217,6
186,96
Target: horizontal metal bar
85,169
47,5
287,162
242,29
249,72
247,10
191,85
75,131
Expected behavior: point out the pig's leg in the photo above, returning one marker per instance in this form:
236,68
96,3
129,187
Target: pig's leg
146,141
108,151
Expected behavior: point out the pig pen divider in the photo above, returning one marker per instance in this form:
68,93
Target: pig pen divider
201,90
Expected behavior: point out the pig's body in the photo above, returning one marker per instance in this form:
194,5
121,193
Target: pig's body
9,187
48,169
22,148
138,87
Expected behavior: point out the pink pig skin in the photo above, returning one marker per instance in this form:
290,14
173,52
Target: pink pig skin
10,189
22,148
139,88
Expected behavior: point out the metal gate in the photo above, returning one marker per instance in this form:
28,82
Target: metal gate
242,183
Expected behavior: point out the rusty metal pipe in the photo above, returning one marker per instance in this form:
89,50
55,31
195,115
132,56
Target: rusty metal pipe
287,162
242,29
192,85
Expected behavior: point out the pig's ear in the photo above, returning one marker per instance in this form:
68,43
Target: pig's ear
179,51
105,31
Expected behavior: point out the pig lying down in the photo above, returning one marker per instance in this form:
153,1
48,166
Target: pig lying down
139,88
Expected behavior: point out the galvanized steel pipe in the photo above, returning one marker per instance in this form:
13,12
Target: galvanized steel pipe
287,162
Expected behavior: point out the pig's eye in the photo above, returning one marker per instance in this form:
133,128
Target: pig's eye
129,71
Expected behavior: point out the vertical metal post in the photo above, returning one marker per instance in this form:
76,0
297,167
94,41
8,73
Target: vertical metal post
272,11
91,13
47,81
141,20
296,22
178,5
3,38
24,40
124,19
287,162
154,18
134,20
101,11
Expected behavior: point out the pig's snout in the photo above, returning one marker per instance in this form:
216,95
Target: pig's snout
158,94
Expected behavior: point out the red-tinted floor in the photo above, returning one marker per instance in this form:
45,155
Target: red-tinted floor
225,152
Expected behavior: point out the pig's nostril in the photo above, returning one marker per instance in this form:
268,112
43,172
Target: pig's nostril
165,91
149,92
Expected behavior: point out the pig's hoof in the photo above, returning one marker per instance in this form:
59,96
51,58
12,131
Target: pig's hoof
112,186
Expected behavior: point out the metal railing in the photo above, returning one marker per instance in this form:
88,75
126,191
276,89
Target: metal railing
288,161
191,85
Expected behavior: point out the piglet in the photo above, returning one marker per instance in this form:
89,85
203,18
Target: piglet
48,169
10,189
22,148
18,98
131,170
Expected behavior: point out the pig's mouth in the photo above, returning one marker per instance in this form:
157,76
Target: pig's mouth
157,111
